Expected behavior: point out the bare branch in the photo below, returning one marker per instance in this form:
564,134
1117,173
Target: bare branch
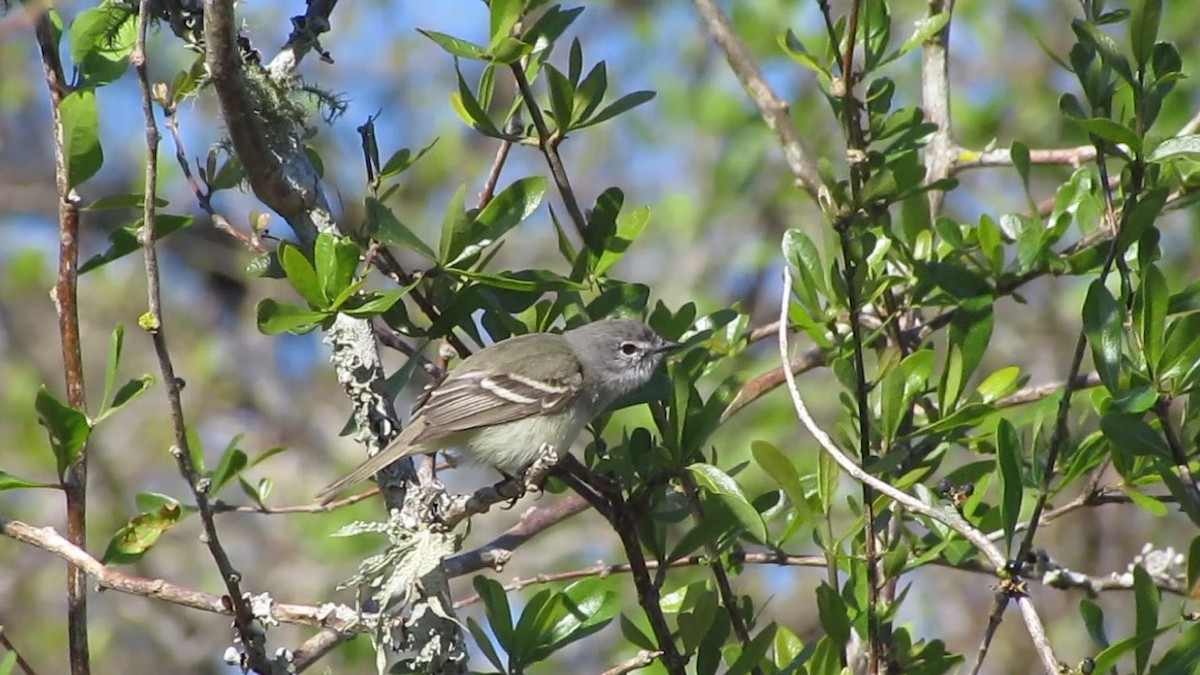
770,106
74,479
637,661
21,662
947,517
935,101
337,617
497,552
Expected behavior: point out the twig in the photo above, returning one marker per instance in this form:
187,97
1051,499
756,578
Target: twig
251,637
204,195
1041,391
220,506
338,617
461,507
21,662
493,177
74,479
316,647
497,552
940,152
724,589
548,143
1162,410
974,159
770,106
637,661
948,518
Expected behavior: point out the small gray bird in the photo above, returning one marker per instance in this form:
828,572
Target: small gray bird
502,403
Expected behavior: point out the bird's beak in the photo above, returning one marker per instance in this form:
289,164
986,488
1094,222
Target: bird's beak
666,346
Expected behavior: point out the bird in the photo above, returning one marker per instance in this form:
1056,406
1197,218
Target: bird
500,405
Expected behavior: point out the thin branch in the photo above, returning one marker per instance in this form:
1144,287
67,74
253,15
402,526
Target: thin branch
724,589
1041,391
940,152
251,637
74,479
1075,157
220,506
204,194
316,647
493,176
496,553
337,617
21,662
771,107
1162,410
638,661
947,517
548,144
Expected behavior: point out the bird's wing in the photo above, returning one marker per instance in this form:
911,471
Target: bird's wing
480,398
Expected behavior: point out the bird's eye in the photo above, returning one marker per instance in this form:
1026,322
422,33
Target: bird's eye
629,348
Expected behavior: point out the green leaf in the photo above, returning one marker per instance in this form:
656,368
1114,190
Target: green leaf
1145,616
503,15
1112,131
135,538
720,485
801,252
455,227
485,643
1184,653
1154,301
81,136
508,51
302,275
495,601
753,654
834,614
562,97
523,280
781,469
274,317
999,384
455,46
233,462
123,241
67,428
102,39
10,482
128,391
383,225
1131,433
1109,52
1102,325
1093,620
336,263
1193,563
925,28
1176,147
468,108
126,201
115,344
402,159
376,302
1008,465
509,208
1143,30
623,104
629,227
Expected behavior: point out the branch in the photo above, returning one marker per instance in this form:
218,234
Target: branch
74,479
249,631
965,159
20,660
770,106
948,518
940,152
337,617
637,661
496,553
548,144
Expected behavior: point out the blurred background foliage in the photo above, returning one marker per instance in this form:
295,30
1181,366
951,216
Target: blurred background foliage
720,197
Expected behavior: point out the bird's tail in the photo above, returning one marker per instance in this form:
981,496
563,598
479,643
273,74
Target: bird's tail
364,471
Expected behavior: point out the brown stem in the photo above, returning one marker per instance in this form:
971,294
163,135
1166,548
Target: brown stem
74,480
